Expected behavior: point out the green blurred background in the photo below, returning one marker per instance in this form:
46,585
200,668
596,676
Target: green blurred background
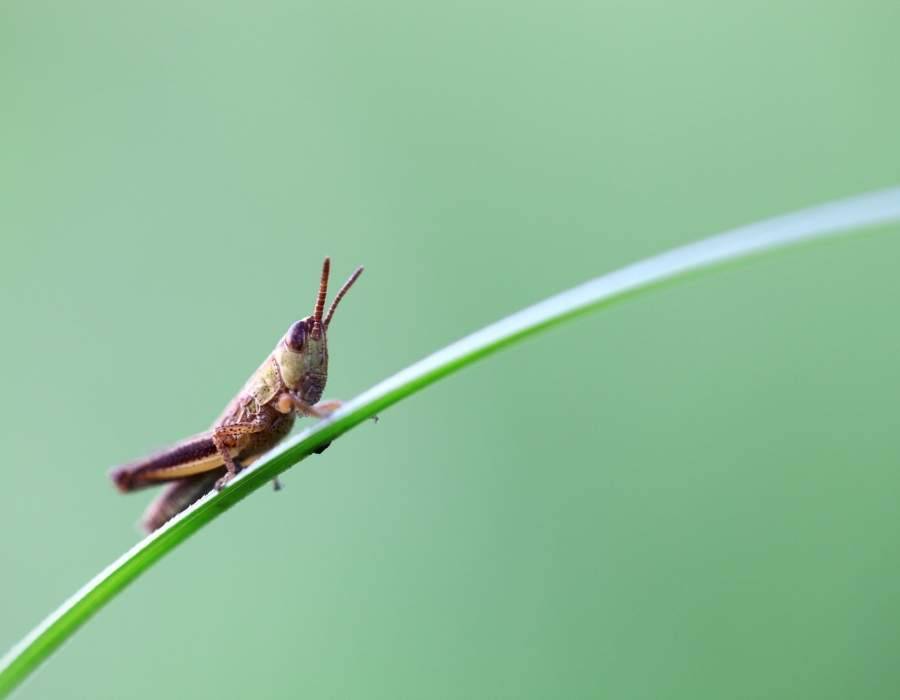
692,494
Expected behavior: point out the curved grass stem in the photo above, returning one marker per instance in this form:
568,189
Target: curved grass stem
818,222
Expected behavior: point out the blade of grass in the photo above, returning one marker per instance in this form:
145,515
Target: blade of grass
815,223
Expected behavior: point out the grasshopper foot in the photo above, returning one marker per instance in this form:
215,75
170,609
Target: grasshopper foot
321,448
228,475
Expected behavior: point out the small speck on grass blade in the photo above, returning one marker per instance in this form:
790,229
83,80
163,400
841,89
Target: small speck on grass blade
818,222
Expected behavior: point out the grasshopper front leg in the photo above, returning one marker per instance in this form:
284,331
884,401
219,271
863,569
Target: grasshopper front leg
323,409
291,401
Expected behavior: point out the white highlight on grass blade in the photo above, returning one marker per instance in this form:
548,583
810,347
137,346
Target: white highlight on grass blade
818,222
815,223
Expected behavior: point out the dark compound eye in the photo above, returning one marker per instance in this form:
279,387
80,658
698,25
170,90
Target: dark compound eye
296,336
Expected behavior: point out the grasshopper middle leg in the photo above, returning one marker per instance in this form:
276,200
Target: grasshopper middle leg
230,438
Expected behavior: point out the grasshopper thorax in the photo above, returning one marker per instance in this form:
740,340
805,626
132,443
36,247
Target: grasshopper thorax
302,354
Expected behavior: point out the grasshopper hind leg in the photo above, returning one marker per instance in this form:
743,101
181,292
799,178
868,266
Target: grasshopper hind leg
178,496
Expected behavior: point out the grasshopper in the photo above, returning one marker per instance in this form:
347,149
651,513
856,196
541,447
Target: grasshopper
288,383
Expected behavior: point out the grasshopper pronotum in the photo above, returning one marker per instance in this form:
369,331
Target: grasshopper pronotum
289,383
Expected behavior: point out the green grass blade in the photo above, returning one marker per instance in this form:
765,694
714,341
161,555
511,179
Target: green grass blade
815,223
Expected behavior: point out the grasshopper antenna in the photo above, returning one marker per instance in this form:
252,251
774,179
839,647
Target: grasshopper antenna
323,291
340,295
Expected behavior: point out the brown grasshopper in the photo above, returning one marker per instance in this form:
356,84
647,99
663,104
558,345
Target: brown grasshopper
289,383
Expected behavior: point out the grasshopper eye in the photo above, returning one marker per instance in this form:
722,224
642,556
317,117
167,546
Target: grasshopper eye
296,336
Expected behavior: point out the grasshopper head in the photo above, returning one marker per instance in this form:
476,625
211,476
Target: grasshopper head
302,354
